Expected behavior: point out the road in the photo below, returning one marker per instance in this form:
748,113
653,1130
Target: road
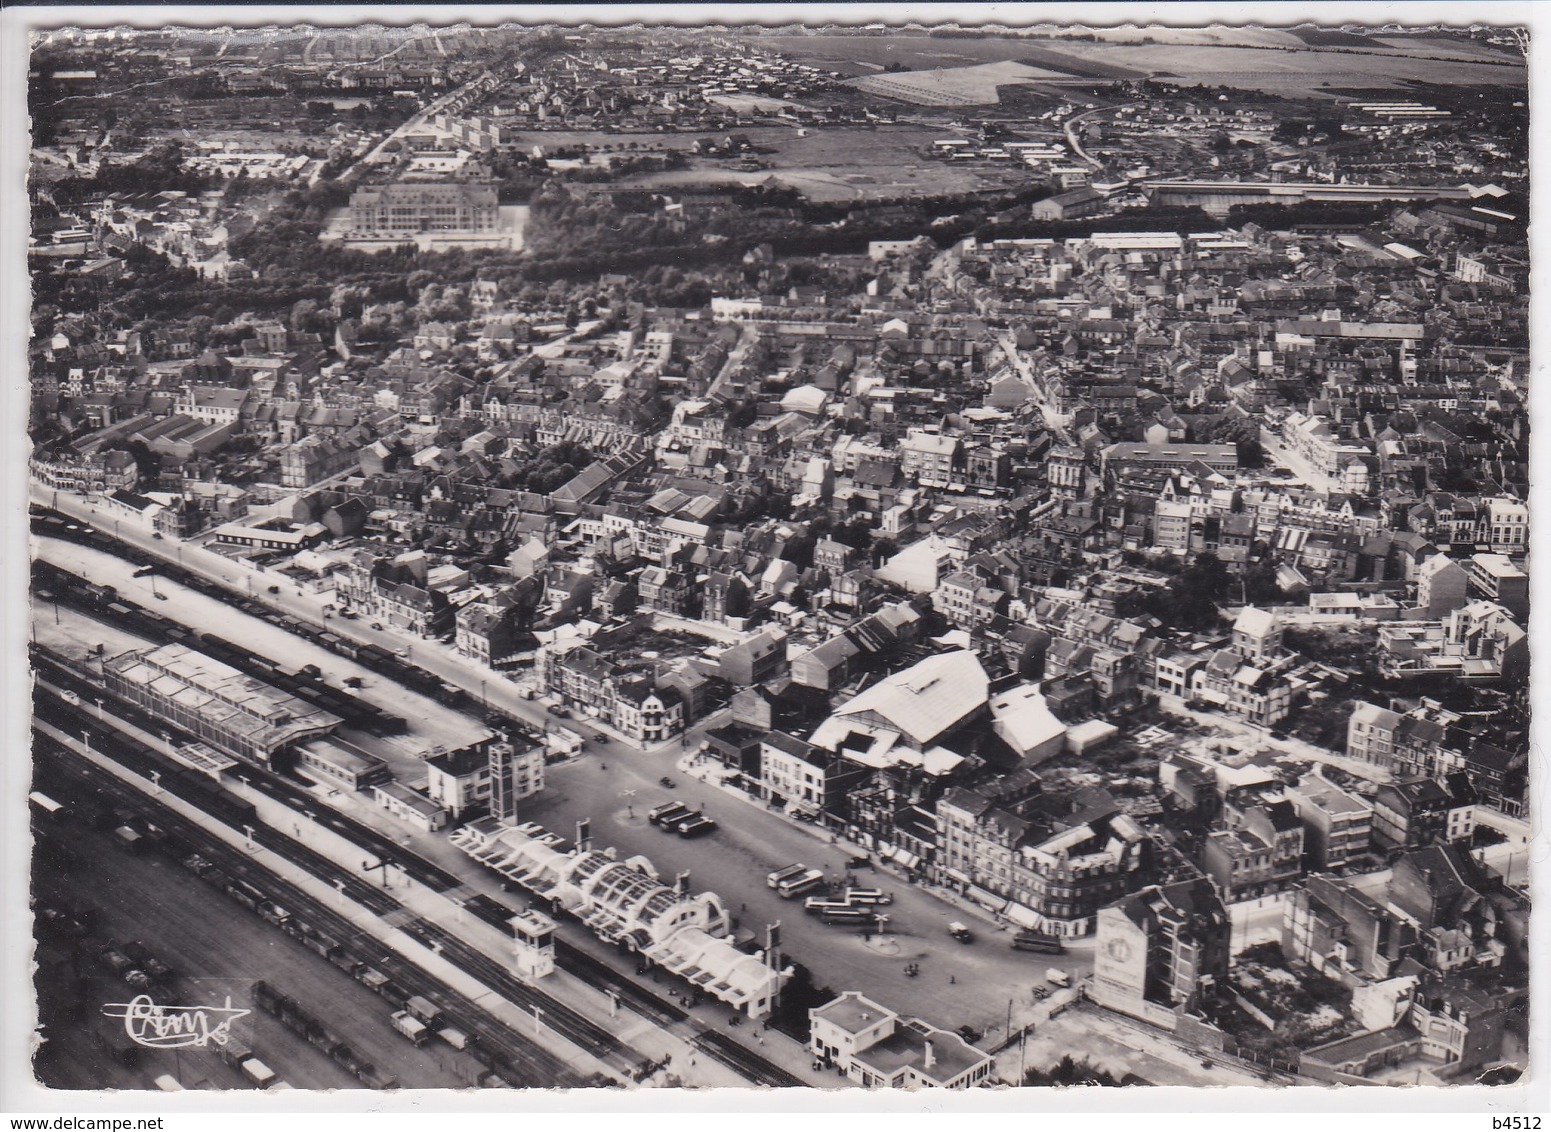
420,116
958,984
1282,456
734,362
1071,134
1053,420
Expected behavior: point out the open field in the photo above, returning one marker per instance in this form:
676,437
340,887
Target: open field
952,86
1250,68
1246,58
1442,45
830,163
846,163
863,55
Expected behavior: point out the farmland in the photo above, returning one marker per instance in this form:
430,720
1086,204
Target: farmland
1255,68
863,55
954,86
1245,58
847,163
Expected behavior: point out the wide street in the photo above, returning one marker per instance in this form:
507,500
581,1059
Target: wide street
1280,455
958,983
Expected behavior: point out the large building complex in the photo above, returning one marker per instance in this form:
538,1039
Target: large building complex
410,209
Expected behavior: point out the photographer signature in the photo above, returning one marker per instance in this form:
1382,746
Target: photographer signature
175,1027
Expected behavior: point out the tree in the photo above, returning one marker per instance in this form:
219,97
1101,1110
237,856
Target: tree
1070,1071
301,311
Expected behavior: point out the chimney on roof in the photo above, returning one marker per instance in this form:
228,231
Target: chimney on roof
931,1054
583,835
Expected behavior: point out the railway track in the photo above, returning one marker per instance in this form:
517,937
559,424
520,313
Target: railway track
527,1063
555,1014
744,1061
586,1034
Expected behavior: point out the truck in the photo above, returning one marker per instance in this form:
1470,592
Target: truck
1057,977
411,1027
564,742
961,932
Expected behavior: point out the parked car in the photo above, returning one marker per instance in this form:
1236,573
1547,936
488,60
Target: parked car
599,737
560,711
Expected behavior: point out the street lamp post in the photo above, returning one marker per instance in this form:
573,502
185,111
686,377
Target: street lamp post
537,1015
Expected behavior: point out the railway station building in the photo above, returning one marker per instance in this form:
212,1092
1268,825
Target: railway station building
219,705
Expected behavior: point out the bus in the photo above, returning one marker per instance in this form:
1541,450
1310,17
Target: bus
774,879
861,916
868,896
825,904
1037,941
797,885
